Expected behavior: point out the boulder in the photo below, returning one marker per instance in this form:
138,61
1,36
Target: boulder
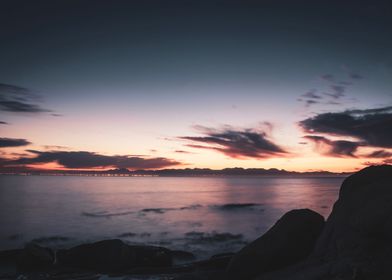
180,256
290,240
35,257
359,229
356,242
114,255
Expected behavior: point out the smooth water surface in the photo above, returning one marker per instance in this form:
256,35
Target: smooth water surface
205,215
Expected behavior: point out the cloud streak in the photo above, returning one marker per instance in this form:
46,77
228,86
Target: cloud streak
89,160
339,148
335,92
13,142
370,126
19,99
247,143
379,154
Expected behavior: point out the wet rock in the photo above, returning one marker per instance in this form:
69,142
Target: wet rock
10,256
290,240
114,255
34,257
179,255
219,261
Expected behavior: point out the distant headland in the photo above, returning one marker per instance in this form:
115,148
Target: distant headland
186,172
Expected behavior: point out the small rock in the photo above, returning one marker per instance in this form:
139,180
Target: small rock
114,255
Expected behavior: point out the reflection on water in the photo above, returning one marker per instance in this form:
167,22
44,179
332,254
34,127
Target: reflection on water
205,215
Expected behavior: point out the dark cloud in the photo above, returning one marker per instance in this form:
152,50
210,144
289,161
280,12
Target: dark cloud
246,143
334,103
355,76
371,111
1,122
387,161
19,99
85,160
311,94
372,126
310,98
327,77
182,152
13,142
337,91
379,154
345,83
339,148
310,102
54,147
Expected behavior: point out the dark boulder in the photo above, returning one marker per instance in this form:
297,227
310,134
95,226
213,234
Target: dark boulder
356,242
290,240
180,256
359,228
35,257
10,256
114,255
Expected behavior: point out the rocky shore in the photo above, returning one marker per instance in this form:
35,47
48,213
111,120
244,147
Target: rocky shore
355,242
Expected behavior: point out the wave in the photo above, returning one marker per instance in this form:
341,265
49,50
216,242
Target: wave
164,210
106,214
237,206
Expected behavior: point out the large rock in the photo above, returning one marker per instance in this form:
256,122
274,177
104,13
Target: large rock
35,257
359,229
114,255
290,240
356,242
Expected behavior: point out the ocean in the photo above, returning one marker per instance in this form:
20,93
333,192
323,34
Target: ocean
204,215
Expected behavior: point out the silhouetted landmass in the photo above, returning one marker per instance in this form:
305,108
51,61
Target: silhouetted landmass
187,172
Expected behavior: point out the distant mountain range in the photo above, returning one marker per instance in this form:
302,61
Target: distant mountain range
187,172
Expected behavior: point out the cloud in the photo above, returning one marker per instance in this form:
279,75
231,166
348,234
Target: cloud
1,122
370,126
182,152
339,148
86,160
310,102
247,143
55,147
311,94
19,99
328,77
355,76
310,97
13,142
379,154
387,161
337,91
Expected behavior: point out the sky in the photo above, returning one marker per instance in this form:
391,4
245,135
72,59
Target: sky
295,85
